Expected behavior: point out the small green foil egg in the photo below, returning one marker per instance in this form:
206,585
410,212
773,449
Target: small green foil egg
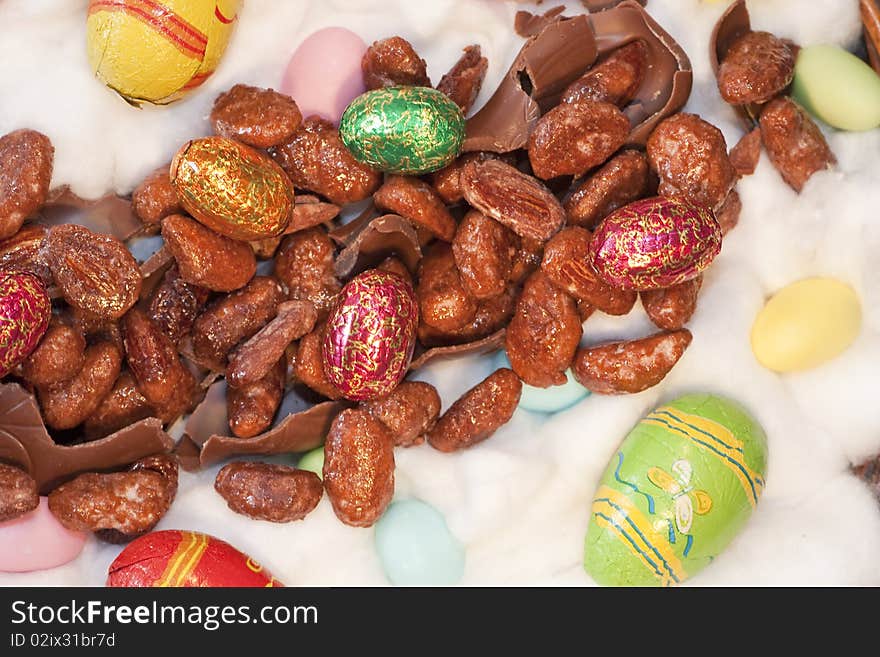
679,489
411,130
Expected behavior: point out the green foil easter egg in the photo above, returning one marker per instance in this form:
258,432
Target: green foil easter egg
412,130
681,486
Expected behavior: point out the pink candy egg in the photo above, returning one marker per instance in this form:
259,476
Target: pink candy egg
24,316
371,333
37,541
324,73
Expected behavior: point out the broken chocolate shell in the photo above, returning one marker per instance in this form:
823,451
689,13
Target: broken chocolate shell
870,12
51,464
732,25
373,240
111,215
869,472
482,346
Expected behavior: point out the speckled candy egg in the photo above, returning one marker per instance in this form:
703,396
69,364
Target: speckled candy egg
232,188
176,558
679,489
156,51
24,316
371,332
655,243
410,130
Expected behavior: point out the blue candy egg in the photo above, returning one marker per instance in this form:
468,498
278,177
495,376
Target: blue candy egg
547,400
416,547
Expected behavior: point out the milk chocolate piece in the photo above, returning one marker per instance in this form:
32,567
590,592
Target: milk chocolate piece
602,5
111,215
375,239
733,24
526,24
564,50
869,472
49,463
304,427
870,12
482,346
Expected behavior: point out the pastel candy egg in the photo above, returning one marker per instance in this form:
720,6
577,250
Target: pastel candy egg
681,486
179,558
233,189
655,243
313,461
370,335
837,87
158,50
24,316
416,547
806,324
324,74
547,400
410,130
37,541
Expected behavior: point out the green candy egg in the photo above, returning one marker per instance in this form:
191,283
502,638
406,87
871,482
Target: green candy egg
837,87
680,487
412,130
313,461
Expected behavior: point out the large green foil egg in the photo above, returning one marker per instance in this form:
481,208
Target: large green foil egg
411,130
679,489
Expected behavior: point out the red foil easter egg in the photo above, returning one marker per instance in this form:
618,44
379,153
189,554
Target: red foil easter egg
371,333
185,559
655,243
24,316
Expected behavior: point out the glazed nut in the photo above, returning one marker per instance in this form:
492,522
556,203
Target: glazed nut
26,159
304,263
58,356
477,414
444,303
253,360
205,258
463,81
492,315
257,117
572,138
757,67
409,412
625,178
24,252
18,492
251,408
96,273
155,198
393,62
745,154
516,200
126,503
416,201
614,80
359,467
629,366
483,251
544,333
672,308
124,405
316,159
309,365
263,491
175,303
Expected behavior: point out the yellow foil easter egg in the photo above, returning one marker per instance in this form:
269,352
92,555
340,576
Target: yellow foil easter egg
156,51
806,324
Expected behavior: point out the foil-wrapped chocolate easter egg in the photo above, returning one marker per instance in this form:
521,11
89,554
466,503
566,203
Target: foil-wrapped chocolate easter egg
156,51
680,487
412,130
176,558
371,333
25,310
232,188
655,243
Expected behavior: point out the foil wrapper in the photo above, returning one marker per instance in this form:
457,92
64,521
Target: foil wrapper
25,308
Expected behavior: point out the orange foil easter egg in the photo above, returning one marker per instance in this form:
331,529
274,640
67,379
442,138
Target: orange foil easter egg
176,558
156,51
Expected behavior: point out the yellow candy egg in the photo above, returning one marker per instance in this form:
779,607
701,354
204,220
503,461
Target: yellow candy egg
806,324
157,50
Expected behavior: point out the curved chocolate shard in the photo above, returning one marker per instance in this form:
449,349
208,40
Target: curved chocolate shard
483,346
870,13
733,24
374,240
310,211
50,463
304,427
563,51
526,24
109,214
602,5
869,472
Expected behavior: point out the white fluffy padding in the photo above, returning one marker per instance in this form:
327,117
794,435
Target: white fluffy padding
520,500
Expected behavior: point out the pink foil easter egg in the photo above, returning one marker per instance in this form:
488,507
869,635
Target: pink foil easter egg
37,541
371,333
24,316
324,73
654,243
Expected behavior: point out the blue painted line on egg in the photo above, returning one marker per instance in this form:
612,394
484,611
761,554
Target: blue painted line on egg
699,430
633,486
689,544
623,533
